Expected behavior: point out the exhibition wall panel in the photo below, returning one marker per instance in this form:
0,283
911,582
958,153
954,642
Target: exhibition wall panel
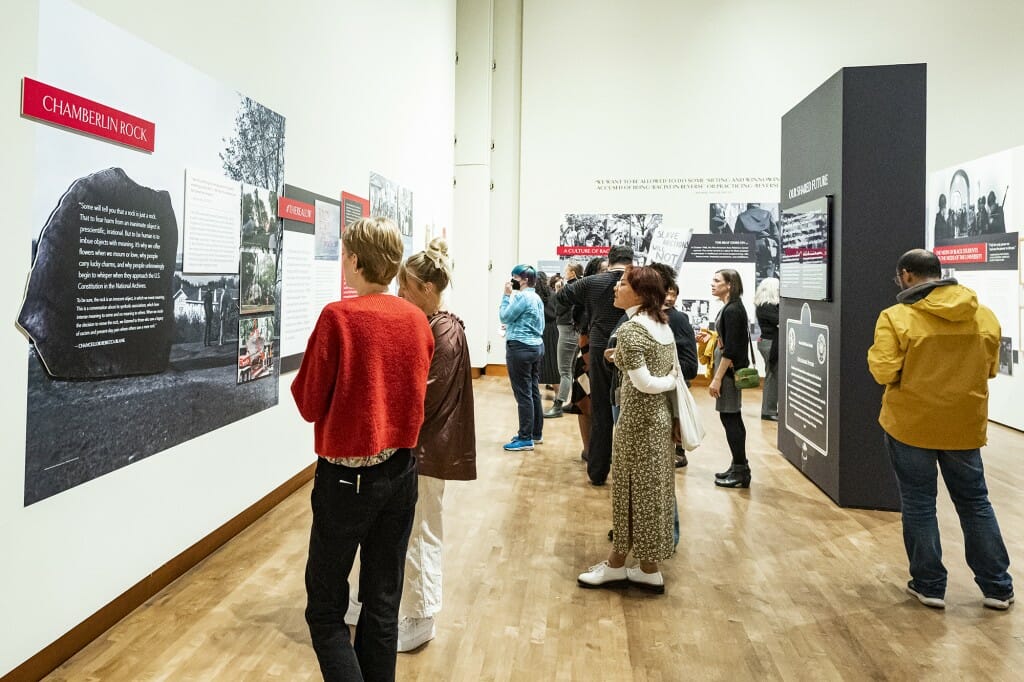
670,108
354,103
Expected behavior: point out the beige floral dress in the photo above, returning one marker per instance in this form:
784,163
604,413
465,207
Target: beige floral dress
643,464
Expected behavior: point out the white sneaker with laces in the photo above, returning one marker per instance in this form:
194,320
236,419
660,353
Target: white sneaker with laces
415,632
602,575
652,582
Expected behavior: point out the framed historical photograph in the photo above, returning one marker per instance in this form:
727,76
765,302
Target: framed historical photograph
807,250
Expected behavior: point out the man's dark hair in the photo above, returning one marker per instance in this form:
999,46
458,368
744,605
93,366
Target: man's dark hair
921,263
668,273
593,266
620,254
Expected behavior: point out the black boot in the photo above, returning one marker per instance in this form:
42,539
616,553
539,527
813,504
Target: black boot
727,473
555,411
739,478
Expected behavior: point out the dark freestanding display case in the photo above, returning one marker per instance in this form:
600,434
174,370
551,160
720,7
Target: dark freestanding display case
859,140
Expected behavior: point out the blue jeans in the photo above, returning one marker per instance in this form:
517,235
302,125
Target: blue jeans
523,362
372,509
964,476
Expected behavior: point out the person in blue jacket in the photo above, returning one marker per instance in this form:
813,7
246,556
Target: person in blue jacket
522,313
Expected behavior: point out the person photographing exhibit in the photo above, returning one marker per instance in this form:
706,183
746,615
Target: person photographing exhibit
934,351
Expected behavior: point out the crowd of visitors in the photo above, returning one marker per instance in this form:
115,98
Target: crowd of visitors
394,419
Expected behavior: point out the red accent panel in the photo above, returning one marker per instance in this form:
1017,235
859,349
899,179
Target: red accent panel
962,253
46,103
583,250
296,210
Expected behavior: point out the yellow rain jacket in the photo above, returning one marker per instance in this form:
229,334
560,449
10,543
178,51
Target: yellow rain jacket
706,354
934,352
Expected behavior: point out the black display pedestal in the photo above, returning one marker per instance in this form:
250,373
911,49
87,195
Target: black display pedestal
858,139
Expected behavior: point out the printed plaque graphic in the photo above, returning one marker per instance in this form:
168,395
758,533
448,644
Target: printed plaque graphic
807,358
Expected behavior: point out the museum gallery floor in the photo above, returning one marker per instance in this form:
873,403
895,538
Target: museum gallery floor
771,583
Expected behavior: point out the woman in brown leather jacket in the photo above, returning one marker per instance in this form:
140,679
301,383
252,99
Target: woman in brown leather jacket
446,450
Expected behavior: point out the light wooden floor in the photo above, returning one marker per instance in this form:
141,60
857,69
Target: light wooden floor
771,583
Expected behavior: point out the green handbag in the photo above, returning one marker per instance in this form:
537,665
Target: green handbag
748,376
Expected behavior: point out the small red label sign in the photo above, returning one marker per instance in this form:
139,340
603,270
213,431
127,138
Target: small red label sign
46,103
296,210
595,251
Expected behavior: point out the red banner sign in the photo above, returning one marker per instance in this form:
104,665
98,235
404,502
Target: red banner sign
295,210
962,253
46,103
583,251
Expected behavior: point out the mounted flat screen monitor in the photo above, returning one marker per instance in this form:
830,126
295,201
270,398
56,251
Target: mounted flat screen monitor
806,251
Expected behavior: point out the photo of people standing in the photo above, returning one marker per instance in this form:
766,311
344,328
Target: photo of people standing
971,199
758,219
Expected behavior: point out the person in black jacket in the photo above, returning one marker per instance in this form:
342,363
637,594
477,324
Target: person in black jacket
549,366
732,326
766,307
568,341
686,342
596,294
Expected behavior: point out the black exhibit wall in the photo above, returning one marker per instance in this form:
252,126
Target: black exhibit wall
858,139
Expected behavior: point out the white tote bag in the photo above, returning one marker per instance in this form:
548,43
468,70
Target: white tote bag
685,410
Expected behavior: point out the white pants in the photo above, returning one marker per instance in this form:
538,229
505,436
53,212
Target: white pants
421,593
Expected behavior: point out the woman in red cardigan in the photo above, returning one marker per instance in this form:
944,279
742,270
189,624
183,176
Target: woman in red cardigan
447,445
363,385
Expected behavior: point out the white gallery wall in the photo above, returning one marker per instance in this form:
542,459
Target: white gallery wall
364,85
654,89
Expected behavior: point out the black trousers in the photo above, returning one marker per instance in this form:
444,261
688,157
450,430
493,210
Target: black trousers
370,509
599,460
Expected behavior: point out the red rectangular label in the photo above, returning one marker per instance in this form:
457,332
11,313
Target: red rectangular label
962,253
583,250
46,103
296,210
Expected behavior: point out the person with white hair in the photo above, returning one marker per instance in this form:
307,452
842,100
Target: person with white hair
766,307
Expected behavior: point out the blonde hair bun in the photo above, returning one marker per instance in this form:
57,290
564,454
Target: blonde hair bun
438,246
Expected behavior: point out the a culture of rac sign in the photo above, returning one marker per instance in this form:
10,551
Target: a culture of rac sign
65,109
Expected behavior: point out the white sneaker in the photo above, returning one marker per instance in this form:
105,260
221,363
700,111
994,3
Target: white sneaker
354,609
652,582
998,603
602,575
930,602
415,632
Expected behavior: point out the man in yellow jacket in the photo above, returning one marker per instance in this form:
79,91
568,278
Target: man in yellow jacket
934,352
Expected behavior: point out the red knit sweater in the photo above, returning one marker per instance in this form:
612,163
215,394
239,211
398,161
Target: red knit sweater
364,376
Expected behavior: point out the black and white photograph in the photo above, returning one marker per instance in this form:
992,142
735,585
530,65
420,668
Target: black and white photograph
260,250
256,343
758,219
971,199
698,310
592,234
391,200
1006,355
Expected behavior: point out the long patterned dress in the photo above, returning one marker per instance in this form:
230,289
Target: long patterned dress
643,453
